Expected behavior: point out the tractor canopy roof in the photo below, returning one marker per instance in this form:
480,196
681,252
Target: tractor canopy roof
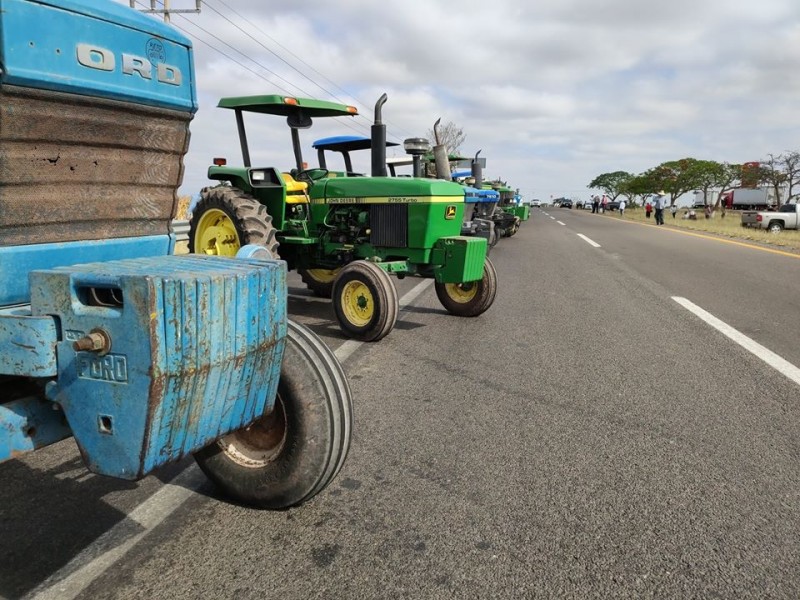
288,106
346,143
460,174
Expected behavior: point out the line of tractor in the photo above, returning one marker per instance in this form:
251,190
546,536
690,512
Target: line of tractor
144,356
347,232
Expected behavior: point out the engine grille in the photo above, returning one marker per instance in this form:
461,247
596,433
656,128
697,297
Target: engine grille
389,225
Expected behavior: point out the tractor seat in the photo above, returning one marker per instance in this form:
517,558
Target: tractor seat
296,191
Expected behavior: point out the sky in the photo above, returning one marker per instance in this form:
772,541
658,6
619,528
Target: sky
553,92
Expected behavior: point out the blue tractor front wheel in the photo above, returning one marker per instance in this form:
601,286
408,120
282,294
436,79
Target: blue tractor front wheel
288,456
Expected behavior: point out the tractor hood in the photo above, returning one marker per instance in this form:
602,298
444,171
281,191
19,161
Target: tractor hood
386,190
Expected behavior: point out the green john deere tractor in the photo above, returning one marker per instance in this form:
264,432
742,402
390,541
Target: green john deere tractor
345,235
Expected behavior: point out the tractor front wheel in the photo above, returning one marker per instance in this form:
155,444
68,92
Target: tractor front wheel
225,219
365,301
319,281
469,299
288,456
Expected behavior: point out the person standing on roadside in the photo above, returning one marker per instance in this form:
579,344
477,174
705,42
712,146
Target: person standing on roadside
658,207
595,204
622,208
673,209
648,208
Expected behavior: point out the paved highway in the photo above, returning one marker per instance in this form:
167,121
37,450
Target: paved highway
589,436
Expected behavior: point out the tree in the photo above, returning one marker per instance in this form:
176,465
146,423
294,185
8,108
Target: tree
450,135
710,175
727,177
611,183
772,174
636,188
676,177
791,168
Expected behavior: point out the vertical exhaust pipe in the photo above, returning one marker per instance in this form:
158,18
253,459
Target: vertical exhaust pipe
477,171
379,140
440,154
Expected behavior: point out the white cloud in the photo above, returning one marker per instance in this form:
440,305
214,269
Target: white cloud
555,92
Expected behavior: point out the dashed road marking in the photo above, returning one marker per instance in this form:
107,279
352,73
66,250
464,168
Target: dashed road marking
588,241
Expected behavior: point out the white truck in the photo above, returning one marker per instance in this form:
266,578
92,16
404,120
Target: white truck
786,217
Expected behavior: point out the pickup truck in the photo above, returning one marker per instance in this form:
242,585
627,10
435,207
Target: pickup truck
786,217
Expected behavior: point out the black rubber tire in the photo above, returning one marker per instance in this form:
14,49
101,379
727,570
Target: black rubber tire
250,218
385,305
318,408
480,303
322,289
775,227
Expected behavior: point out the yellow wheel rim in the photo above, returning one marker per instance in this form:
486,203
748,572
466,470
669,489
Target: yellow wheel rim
358,305
216,234
462,292
322,275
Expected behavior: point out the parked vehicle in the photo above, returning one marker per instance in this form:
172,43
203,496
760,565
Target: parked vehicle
566,203
142,356
745,199
344,235
786,217
536,202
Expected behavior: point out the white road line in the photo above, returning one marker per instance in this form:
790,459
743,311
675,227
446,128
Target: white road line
560,223
768,356
588,241
74,577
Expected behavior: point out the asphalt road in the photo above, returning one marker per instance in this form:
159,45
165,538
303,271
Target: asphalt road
588,436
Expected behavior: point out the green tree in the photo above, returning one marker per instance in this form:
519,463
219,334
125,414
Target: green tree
636,188
611,183
676,177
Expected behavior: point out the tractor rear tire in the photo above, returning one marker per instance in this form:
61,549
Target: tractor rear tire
469,299
319,281
290,455
225,219
365,301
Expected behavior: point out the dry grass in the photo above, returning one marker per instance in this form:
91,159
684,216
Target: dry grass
183,207
729,226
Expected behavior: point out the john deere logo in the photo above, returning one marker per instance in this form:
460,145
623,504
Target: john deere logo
450,212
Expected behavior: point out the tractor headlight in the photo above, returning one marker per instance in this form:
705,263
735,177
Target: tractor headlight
258,176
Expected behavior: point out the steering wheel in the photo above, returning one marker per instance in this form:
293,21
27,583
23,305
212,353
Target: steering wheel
311,175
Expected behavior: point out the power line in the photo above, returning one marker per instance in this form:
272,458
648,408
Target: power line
262,32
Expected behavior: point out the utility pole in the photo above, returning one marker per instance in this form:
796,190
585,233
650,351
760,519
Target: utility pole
166,10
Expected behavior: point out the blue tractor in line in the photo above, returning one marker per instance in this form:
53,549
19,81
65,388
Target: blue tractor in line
143,356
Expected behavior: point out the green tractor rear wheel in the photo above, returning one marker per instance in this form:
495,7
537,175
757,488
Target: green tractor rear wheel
225,219
365,301
469,299
319,281
288,456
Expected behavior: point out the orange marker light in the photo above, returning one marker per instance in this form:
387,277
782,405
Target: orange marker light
292,101
220,162
352,110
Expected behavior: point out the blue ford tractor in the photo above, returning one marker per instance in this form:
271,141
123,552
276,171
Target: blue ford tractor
144,357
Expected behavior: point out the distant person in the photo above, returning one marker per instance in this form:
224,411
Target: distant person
622,208
595,204
673,209
648,208
658,207
603,203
